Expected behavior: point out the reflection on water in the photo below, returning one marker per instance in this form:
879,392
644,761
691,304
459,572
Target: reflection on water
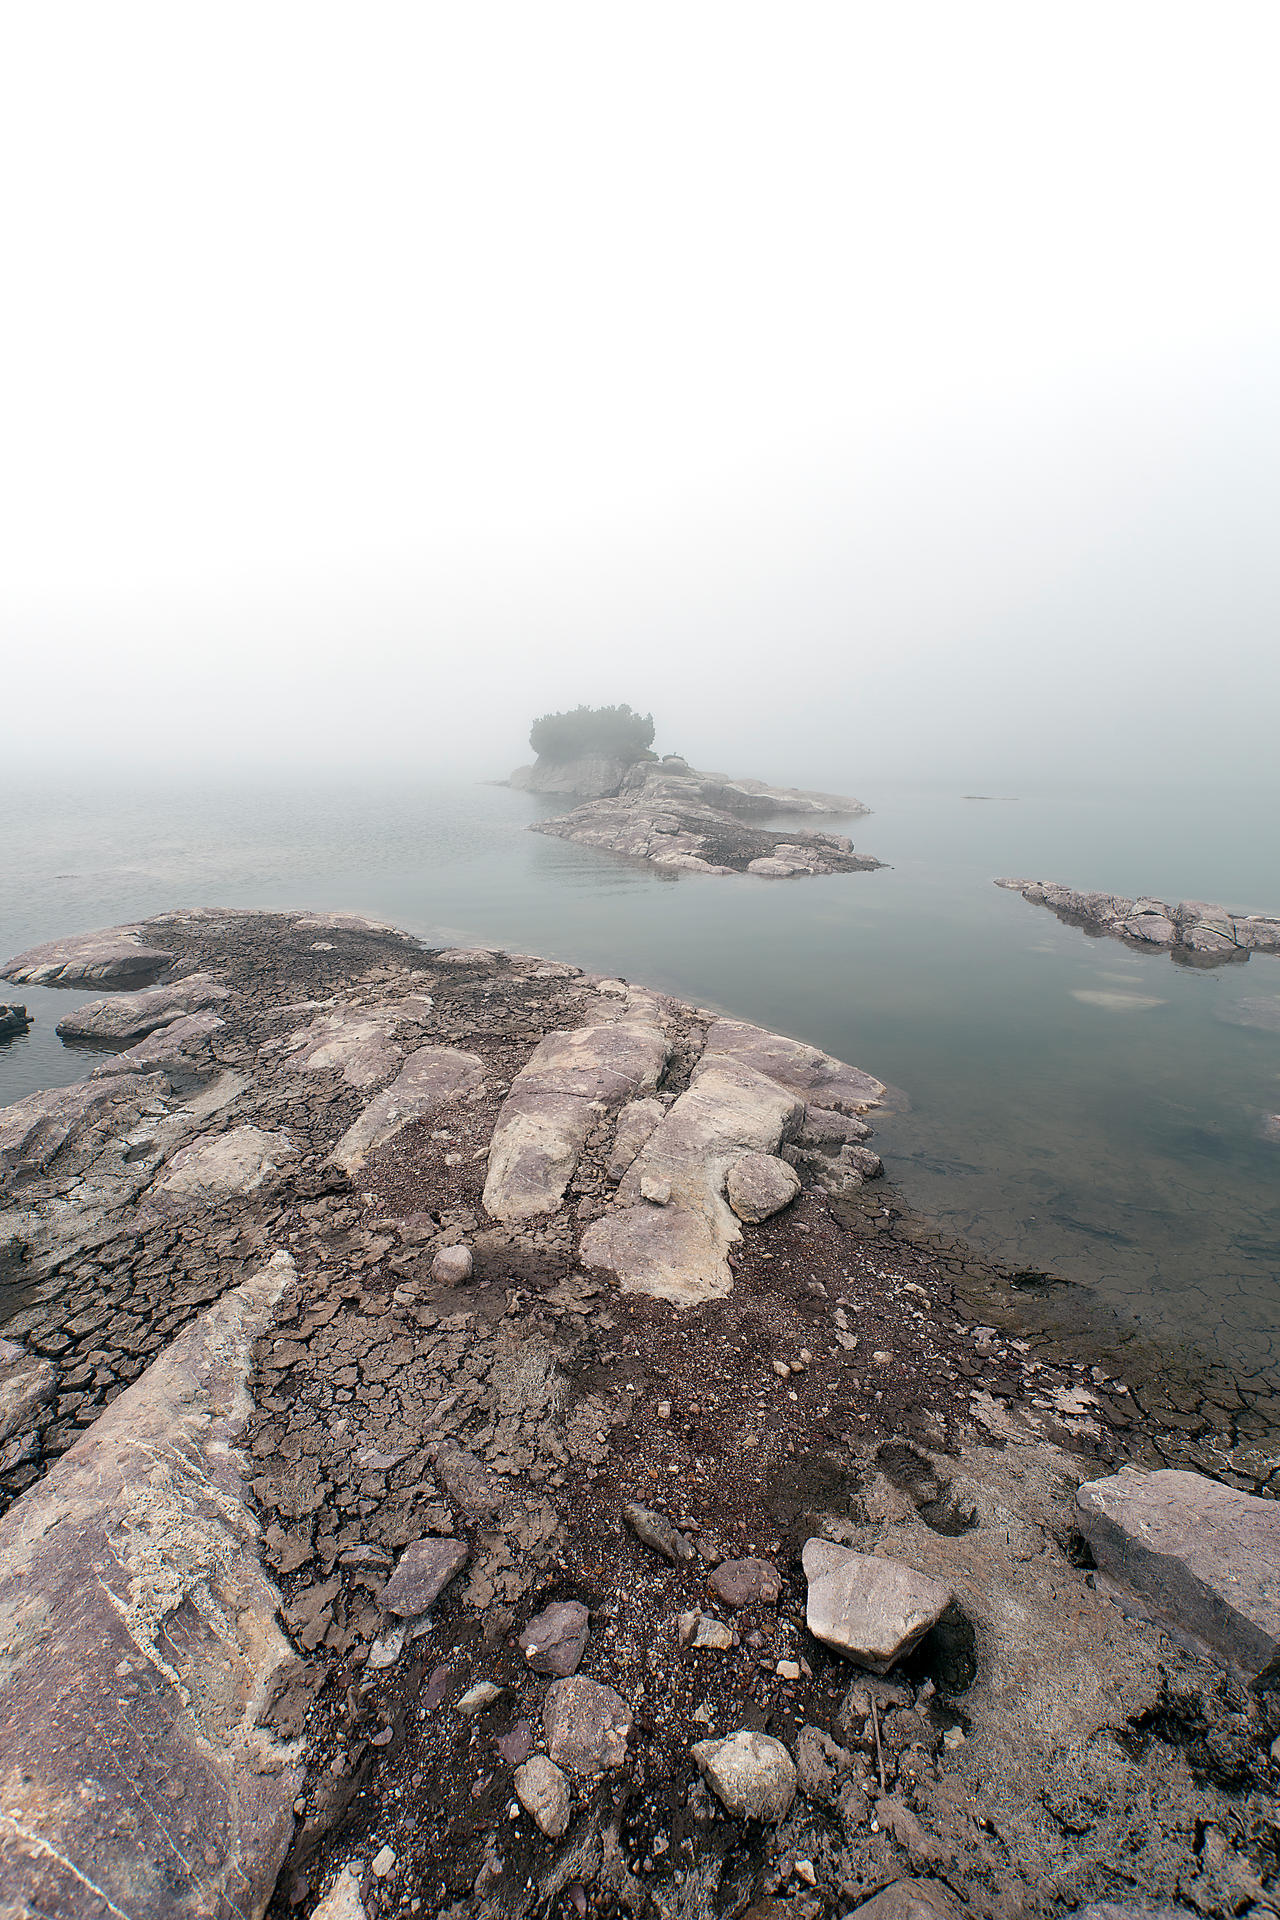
1073,1105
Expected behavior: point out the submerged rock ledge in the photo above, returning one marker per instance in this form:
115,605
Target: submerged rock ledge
478,1434
1193,931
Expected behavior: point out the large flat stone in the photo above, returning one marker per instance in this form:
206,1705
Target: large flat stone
1205,1557
571,1081
817,1077
141,1649
125,1017
210,1171
430,1079
679,1250
34,1131
112,956
867,1607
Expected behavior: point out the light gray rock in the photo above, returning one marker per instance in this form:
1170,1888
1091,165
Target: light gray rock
911,1900
817,1078
179,1044
572,1080
589,777
34,1131
431,1078
706,1633
26,1383
357,1042
634,1125
423,1571
751,1774
586,1726
125,1017
759,1185
143,1651
556,1639
113,956
1204,1556
745,1583
1196,928
869,1608
543,1792
679,1252
453,1266
342,1901
211,1170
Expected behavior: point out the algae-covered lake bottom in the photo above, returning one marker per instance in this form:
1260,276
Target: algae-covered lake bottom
1073,1105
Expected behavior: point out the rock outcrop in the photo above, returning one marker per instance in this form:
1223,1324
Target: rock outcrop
1192,931
13,1022
1204,1557
127,1017
141,1775
112,957
666,813
590,777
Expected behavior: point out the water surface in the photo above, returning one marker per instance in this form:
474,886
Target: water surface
1073,1105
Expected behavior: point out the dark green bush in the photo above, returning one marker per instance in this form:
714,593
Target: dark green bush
615,731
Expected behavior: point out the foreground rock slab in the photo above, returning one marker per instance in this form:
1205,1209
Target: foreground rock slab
869,1608
141,1652
1206,1557
26,1382
751,1774
432,1078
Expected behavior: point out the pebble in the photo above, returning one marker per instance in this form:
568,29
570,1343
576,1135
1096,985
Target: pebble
751,1774
452,1266
586,1725
476,1698
741,1583
555,1640
543,1792
383,1861
657,1532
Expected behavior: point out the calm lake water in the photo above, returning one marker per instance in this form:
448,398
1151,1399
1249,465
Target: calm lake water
1073,1105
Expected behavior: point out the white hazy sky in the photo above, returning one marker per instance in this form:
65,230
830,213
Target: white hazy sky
863,388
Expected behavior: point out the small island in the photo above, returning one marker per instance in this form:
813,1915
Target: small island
1193,933
666,812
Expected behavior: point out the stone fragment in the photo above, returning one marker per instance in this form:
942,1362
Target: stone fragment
554,1641
142,1639
453,1266
423,1571
477,1698
820,1763
383,1863
543,1792
759,1185
656,1531
516,1744
703,1630
742,1583
751,1774
1204,1556
430,1079
342,1902
26,1382
868,1607
635,1123
586,1725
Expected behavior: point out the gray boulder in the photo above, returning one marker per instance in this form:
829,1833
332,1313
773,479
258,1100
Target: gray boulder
751,1774
759,1185
1205,1557
869,1608
555,1640
586,1726
911,1900
143,1652
431,1078
453,1266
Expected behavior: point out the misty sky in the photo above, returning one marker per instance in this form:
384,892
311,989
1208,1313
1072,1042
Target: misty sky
870,390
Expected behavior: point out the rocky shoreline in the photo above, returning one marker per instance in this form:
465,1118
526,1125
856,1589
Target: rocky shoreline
1192,933
669,814
458,1415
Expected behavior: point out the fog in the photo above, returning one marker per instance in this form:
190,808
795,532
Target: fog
873,393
